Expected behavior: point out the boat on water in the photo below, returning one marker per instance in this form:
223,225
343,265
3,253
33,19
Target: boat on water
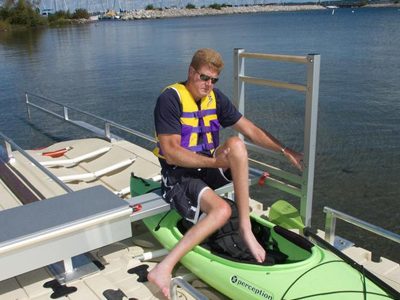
76,228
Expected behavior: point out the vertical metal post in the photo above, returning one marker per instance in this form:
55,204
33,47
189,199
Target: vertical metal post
68,266
107,130
9,152
238,84
28,109
66,117
173,292
310,136
330,227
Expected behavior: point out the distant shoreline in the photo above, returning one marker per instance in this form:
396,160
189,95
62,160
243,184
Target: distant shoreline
185,12
194,12
379,5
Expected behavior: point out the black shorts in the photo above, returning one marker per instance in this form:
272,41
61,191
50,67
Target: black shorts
183,187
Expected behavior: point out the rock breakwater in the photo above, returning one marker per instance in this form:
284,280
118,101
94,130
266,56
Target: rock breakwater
184,12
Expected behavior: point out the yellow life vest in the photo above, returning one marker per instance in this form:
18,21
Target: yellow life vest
196,121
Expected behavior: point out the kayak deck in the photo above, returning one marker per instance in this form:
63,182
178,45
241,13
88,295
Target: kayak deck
309,271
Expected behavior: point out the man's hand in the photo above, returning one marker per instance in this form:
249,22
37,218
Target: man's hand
295,158
221,158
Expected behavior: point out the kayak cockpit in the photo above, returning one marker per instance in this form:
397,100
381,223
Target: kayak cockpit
281,245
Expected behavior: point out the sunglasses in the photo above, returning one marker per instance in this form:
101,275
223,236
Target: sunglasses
204,77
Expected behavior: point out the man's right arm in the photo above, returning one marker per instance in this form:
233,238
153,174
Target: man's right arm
176,155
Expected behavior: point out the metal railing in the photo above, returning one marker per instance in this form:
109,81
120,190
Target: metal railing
107,124
311,90
10,145
330,225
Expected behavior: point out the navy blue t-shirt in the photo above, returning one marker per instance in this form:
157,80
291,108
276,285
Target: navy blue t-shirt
168,110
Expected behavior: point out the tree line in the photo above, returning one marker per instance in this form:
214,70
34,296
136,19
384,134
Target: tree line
26,14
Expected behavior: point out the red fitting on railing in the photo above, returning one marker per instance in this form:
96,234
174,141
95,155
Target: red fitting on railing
263,177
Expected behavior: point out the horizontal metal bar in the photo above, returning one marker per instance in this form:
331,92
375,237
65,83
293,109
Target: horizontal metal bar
43,98
36,163
66,106
254,176
274,83
277,57
293,178
54,114
106,121
175,282
133,131
261,150
284,187
80,124
362,224
278,184
151,254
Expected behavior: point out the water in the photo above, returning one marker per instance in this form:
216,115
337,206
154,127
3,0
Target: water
117,69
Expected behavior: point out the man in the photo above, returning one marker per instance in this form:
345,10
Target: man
188,117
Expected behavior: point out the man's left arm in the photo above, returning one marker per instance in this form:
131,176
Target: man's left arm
264,139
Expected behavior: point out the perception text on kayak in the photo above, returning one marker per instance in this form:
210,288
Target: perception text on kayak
236,280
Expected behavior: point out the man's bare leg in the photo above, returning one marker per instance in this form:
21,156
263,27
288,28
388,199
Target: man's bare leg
238,163
218,213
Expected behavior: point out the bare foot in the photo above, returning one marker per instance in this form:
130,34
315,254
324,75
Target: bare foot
161,278
254,246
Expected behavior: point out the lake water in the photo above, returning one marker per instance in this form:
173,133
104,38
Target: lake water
117,69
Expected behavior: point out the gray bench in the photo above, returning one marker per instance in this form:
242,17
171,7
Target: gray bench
52,230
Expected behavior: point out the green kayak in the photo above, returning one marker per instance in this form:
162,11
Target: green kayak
308,271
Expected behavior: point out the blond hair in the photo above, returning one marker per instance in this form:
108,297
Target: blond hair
207,57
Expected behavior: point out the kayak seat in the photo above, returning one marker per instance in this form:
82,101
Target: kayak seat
234,249
227,243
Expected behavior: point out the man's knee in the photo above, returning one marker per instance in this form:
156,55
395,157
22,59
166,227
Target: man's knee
224,212
237,146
